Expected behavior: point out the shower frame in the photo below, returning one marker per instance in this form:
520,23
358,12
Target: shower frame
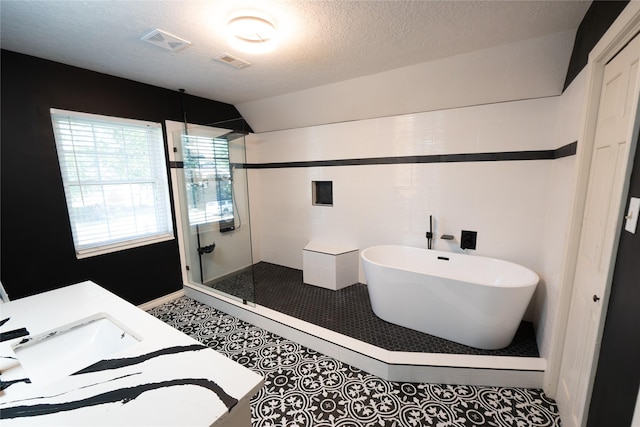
232,247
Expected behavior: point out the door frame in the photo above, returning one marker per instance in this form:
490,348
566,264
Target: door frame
623,30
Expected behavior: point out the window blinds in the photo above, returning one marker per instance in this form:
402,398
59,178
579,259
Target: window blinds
206,154
208,178
115,181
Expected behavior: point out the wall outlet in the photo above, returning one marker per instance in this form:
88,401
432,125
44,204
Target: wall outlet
468,239
632,215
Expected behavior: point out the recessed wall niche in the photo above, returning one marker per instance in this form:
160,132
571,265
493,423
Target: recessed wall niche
322,193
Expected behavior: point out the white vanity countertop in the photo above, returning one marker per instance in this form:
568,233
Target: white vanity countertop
163,377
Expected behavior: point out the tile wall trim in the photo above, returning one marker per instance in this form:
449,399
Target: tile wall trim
564,151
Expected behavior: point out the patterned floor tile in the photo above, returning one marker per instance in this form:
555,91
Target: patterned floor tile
306,388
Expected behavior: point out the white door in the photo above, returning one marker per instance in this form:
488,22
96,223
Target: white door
609,162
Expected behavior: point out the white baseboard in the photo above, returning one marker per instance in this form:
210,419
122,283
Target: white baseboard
162,300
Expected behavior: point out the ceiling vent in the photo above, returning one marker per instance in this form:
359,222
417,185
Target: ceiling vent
232,60
166,40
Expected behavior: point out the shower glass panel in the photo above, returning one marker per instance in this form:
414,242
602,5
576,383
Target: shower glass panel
214,209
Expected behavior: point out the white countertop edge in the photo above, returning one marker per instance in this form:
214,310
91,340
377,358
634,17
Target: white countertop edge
54,309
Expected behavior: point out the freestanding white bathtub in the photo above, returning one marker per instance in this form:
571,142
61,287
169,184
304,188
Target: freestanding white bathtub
472,300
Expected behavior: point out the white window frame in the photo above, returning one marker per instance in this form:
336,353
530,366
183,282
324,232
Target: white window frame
147,222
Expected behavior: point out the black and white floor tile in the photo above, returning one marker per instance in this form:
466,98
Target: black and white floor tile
306,388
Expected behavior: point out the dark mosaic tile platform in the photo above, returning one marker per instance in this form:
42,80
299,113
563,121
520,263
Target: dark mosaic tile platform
348,311
240,285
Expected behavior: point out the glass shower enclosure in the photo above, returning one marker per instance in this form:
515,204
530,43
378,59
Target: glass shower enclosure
211,200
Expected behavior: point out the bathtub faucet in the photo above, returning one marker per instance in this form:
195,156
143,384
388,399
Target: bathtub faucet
429,234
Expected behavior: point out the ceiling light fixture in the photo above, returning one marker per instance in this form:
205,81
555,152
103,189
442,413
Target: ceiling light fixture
252,33
252,29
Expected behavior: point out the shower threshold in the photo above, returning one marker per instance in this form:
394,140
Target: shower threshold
341,324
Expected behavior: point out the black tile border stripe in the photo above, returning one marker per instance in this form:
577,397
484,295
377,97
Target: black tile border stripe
564,151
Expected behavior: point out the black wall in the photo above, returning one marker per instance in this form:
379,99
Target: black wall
37,252
595,23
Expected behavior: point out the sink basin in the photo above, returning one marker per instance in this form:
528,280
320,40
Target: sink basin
58,353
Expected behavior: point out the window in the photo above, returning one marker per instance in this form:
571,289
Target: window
115,181
208,179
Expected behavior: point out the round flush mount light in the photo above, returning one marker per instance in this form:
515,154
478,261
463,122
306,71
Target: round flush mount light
250,33
252,29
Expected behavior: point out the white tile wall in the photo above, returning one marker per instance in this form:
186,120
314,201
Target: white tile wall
507,203
557,215
518,125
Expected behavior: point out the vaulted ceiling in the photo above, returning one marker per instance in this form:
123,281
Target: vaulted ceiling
320,42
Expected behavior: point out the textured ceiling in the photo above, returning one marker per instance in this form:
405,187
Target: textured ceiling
321,41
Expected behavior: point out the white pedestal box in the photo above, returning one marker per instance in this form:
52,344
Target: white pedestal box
329,266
